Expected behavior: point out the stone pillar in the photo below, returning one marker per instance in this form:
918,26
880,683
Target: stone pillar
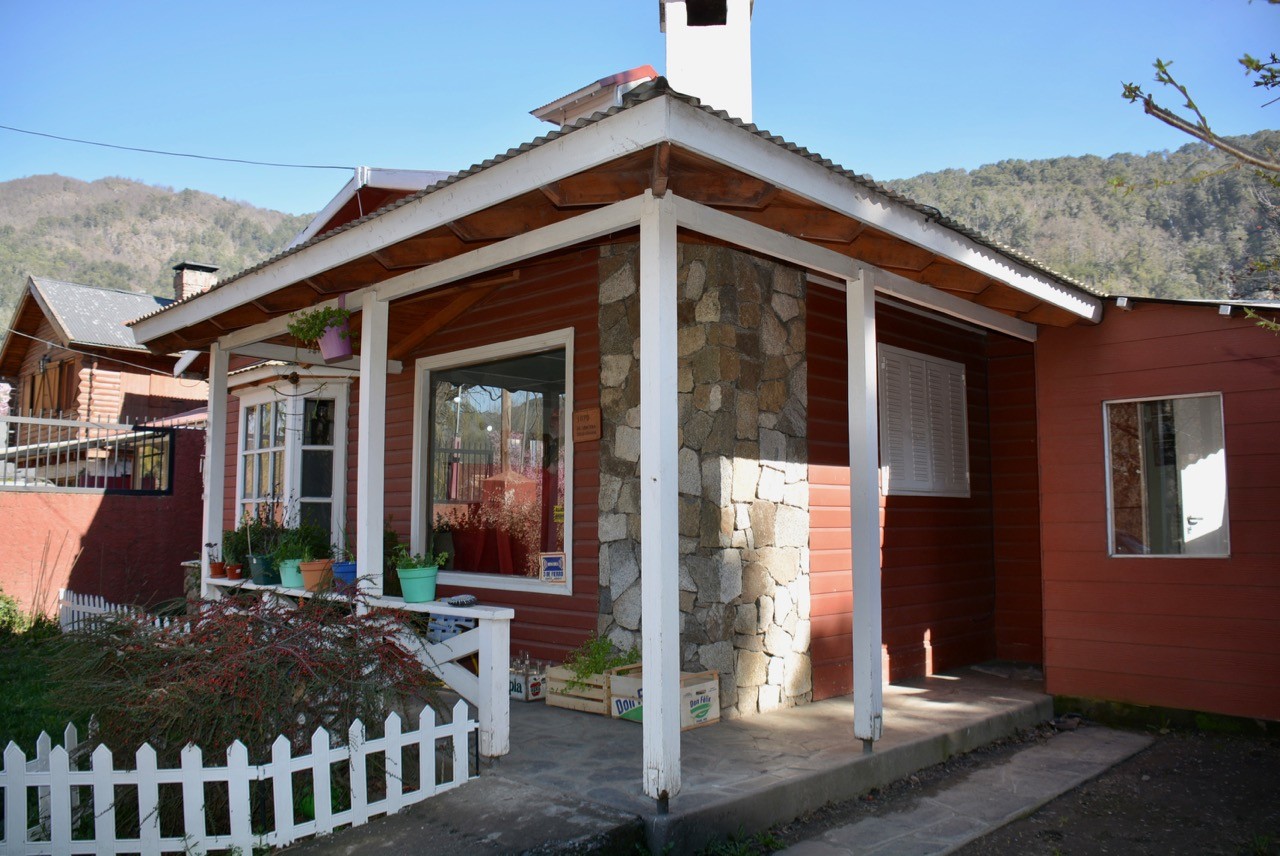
744,493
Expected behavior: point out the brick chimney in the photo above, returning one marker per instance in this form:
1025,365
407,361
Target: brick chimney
709,52
191,278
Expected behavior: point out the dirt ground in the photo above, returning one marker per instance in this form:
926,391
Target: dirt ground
1187,793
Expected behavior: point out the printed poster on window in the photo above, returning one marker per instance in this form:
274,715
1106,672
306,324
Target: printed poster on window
553,567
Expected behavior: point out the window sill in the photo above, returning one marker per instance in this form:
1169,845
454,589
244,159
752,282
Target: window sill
502,582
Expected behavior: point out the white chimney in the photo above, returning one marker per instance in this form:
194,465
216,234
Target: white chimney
191,278
709,52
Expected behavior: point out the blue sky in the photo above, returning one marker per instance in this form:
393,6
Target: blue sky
887,89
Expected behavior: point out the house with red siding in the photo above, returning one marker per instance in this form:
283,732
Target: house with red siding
858,441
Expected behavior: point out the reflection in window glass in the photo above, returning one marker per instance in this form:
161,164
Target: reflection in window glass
497,461
1168,477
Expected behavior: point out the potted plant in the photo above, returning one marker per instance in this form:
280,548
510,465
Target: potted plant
233,552
288,556
326,326
317,566
417,574
442,537
261,533
344,570
217,567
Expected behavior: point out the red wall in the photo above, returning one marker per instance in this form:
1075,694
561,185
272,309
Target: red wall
954,592
1189,633
547,297
130,548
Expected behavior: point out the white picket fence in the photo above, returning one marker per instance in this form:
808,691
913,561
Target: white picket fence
76,805
75,610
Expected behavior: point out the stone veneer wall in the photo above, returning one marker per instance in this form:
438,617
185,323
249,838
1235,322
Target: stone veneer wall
744,493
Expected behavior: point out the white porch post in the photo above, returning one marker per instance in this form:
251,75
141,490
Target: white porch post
864,507
215,460
371,444
659,523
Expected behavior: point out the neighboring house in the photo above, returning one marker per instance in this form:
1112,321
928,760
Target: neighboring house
70,352
837,408
100,467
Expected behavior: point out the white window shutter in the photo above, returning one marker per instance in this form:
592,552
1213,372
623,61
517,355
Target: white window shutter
924,446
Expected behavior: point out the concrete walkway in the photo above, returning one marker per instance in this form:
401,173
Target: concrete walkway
968,809
572,781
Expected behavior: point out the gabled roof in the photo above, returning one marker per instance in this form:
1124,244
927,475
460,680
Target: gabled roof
594,97
88,315
367,191
657,139
81,316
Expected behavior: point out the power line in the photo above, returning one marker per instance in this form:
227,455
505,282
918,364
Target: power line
173,154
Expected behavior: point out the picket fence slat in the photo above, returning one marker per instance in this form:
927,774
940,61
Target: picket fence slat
56,774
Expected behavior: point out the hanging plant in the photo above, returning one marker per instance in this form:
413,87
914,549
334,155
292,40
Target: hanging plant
309,325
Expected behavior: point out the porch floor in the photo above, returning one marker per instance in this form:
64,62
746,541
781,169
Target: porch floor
572,781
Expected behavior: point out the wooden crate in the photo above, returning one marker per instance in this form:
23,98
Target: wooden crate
699,697
564,689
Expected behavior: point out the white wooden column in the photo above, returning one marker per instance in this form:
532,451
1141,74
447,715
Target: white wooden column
215,461
659,513
371,443
864,507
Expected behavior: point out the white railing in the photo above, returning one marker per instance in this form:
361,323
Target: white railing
488,688
77,804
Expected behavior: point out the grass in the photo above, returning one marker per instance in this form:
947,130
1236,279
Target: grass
26,705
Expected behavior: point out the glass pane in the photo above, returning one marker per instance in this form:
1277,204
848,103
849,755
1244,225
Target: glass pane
264,474
496,457
317,425
277,481
279,422
318,514
251,427
264,424
1168,477
317,472
250,475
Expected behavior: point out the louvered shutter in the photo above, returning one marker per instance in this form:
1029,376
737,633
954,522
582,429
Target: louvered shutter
924,444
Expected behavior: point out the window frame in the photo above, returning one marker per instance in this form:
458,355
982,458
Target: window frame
419,501
337,388
936,488
1110,491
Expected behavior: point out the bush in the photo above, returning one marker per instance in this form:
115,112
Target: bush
243,669
12,618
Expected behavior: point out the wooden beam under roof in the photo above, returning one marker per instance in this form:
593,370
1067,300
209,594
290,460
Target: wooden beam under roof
507,221
953,277
362,271
420,250
438,320
880,250
810,224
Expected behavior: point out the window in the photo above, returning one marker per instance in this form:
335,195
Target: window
1167,485
924,438
493,463
292,453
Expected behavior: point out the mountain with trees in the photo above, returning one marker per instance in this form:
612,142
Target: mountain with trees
124,234
1190,223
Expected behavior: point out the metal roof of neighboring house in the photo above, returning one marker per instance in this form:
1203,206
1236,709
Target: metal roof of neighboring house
645,92
88,315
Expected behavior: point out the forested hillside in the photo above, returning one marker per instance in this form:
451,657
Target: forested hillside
1182,224
123,234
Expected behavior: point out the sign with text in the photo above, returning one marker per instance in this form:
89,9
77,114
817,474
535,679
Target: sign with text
586,425
553,567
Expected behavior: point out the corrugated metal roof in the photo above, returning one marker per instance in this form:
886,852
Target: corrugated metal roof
96,316
647,92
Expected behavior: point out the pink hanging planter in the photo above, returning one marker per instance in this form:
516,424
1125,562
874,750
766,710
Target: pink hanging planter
335,344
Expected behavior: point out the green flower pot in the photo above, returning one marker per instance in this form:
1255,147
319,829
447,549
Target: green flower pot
290,574
262,571
418,584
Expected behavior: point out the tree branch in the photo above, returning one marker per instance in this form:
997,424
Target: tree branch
1204,135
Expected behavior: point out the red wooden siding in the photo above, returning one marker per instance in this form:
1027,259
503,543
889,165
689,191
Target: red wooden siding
549,297
1190,633
953,591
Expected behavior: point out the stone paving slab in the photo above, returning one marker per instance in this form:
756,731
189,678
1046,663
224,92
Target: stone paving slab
983,801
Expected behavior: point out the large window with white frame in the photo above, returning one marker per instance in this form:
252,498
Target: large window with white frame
494,463
924,433
291,458
1167,476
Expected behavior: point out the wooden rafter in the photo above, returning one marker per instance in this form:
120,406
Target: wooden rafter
660,173
468,298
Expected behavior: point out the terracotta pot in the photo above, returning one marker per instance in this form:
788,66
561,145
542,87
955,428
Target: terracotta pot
234,572
218,570
317,576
